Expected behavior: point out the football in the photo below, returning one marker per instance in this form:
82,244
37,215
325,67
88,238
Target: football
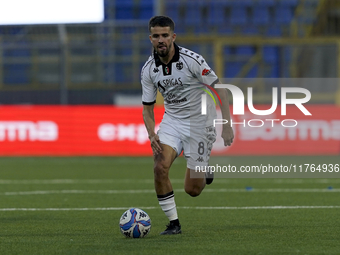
135,223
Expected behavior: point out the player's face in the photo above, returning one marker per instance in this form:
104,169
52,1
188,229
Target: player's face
162,39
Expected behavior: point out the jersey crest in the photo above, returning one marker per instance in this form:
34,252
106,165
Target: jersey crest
179,65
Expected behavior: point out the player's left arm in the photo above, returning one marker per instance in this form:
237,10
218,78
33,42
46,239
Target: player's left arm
227,131
207,76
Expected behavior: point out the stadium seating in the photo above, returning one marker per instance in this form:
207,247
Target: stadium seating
238,15
290,3
146,9
193,14
266,3
283,15
222,16
238,57
250,30
271,53
271,59
228,17
268,18
261,15
122,72
124,9
130,9
273,31
17,73
216,14
173,11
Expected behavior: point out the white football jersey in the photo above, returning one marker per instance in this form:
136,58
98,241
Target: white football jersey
181,83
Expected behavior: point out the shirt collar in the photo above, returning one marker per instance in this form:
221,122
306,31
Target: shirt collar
175,58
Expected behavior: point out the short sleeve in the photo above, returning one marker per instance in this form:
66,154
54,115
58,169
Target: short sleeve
203,72
149,91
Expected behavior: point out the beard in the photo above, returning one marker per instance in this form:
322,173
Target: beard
163,52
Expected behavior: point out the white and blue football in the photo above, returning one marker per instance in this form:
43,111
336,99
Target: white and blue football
135,223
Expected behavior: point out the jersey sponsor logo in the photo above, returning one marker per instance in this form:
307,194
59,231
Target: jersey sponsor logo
179,65
171,82
160,87
206,72
177,101
170,96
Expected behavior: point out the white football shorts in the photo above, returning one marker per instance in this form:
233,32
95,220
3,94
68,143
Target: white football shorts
195,142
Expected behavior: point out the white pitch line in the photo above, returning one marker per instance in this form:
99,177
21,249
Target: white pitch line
179,207
147,181
72,209
49,192
76,181
273,190
259,207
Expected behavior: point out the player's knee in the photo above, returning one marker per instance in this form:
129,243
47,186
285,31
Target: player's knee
193,191
160,171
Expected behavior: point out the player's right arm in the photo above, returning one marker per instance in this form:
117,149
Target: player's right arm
149,98
149,121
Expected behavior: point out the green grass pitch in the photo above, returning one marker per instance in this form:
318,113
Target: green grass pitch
73,205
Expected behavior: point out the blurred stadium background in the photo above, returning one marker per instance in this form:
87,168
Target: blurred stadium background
93,63
99,64
74,90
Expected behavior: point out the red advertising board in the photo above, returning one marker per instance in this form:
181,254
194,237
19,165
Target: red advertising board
120,131
293,134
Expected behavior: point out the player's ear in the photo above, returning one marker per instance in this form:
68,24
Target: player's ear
150,38
174,37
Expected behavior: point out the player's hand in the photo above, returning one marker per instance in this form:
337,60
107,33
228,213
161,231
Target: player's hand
155,144
227,135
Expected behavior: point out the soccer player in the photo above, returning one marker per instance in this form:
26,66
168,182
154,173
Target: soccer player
180,75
